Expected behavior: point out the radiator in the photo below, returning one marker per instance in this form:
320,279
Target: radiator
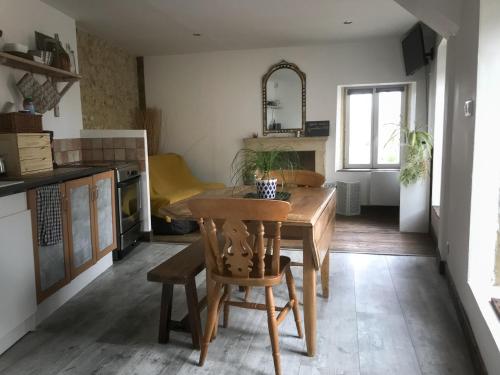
348,198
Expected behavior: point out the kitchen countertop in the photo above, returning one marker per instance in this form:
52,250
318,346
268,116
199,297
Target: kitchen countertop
57,175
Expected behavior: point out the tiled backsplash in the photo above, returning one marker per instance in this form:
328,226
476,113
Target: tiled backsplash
98,149
67,150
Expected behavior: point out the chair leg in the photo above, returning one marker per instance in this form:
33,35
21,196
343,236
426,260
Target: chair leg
325,275
193,312
213,306
165,313
224,297
290,283
227,291
273,329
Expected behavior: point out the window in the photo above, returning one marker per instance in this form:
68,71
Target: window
373,117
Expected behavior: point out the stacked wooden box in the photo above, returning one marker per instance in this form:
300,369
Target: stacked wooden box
23,146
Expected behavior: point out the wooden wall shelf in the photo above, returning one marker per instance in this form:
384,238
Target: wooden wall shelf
37,68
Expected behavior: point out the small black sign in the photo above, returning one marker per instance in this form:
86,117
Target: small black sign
317,129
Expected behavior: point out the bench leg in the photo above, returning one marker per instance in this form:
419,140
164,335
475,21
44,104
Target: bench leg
193,313
165,313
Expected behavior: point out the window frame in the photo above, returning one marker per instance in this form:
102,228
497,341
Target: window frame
375,90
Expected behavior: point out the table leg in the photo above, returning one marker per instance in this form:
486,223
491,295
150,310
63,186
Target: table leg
325,275
309,287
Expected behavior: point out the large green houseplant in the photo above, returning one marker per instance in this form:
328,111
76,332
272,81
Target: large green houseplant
259,163
418,155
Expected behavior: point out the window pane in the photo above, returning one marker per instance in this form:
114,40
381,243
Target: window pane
389,122
360,128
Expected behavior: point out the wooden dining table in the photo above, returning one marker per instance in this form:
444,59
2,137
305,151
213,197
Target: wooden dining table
311,220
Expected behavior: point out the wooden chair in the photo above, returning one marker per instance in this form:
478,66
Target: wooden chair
299,177
242,260
303,178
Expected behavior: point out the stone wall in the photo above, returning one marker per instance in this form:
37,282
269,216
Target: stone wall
109,84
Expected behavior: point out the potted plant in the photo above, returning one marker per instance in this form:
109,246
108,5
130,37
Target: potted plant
418,154
260,163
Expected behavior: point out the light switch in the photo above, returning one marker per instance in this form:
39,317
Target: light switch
469,108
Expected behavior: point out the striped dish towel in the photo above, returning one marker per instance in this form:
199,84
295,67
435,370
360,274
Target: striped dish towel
49,220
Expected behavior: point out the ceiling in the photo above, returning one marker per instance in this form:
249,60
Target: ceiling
158,27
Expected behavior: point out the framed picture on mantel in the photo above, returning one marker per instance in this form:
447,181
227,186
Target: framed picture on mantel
317,128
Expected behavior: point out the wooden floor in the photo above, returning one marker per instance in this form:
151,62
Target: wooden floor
386,315
375,231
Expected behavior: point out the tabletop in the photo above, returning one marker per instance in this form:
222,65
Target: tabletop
307,203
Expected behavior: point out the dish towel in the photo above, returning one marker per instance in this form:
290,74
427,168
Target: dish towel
49,220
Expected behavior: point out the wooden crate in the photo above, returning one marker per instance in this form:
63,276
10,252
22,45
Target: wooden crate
18,122
26,153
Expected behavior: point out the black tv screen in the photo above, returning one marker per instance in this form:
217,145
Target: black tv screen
414,50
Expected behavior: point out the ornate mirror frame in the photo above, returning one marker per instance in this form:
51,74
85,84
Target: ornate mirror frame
283,65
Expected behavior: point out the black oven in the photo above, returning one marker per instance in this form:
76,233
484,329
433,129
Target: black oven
129,203
128,208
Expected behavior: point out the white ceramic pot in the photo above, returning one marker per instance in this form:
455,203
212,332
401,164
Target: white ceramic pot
266,189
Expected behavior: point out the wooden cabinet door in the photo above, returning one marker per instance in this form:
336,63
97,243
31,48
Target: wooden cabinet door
52,260
81,221
104,213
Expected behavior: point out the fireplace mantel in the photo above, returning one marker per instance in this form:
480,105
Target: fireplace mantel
316,144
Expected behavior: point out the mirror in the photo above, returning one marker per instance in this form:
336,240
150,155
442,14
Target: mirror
284,99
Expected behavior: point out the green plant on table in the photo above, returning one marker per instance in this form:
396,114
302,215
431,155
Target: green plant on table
261,162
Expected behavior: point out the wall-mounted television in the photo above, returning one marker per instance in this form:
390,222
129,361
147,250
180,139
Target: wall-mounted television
415,53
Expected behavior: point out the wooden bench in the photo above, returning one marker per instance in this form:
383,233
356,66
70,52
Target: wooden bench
181,269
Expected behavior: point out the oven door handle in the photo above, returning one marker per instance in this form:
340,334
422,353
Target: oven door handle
139,198
128,182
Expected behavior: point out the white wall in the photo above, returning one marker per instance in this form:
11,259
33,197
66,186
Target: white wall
19,19
442,15
211,101
457,220
438,118
485,184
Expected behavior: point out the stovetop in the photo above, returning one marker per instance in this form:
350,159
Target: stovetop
124,170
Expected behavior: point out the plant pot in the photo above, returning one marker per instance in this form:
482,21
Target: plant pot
266,189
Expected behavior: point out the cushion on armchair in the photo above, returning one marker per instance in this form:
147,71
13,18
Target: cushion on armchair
170,181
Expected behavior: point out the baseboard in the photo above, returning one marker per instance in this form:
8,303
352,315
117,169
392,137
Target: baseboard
477,359
11,337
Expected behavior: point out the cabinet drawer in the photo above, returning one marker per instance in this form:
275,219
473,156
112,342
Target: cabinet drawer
35,165
28,153
33,140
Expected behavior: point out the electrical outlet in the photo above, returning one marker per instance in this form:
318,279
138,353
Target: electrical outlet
469,108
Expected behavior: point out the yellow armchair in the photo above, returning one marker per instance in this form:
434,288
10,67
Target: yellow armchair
170,181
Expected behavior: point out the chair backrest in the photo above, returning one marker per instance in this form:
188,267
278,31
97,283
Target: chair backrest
299,177
240,223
